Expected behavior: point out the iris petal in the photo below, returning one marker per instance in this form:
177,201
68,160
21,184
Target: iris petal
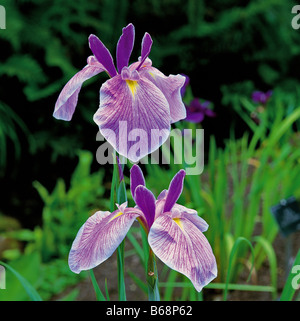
145,200
146,48
102,54
125,46
99,237
67,99
129,110
174,191
136,179
179,244
171,88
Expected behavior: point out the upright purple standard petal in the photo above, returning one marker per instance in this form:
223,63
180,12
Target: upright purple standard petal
174,191
145,200
136,179
67,99
181,245
102,54
99,237
146,48
125,46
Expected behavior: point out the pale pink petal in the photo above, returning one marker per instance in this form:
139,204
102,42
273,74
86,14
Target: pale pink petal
182,246
99,237
67,100
133,116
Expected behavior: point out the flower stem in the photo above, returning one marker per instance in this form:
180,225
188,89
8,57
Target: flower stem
118,191
152,278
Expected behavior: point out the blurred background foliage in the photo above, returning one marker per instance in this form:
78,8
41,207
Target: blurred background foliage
227,49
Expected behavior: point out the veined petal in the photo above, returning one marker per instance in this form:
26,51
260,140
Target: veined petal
191,215
136,179
179,244
171,88
174,191
131,109
67,99
145,200
125,46
99,237
102,54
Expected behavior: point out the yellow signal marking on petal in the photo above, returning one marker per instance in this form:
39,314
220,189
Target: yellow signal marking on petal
117,215
178,222
132,84
152,74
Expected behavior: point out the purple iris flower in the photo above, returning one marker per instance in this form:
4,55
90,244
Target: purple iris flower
196,111
137,100
175,233
261,97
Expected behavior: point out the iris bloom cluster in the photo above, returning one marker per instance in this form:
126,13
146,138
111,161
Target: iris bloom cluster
175,233
148,102
139,96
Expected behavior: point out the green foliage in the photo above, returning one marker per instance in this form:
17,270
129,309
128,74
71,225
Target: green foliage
67,209
11,126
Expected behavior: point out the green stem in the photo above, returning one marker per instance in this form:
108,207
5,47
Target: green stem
152,278
118,191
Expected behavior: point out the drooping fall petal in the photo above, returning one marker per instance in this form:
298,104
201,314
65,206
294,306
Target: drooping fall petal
67,100
182,246
133,116
99,237
170,87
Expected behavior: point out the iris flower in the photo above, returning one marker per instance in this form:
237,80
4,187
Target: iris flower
175,233
261,97
137,101
196,111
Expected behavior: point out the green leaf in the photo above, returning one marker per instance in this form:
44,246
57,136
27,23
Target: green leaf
290,286
31,292
235,247
99,294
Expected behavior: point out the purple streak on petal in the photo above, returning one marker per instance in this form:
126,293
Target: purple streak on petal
171,88
125,46
183,248
136,179
67,100
175,190
102,54
133,116
145,200
146,48
99,237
